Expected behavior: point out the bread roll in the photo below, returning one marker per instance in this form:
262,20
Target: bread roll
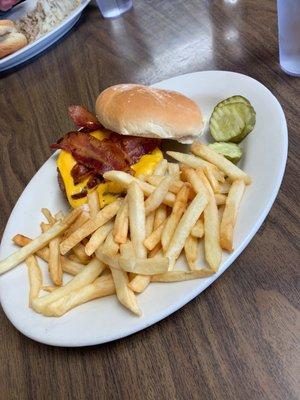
10,39
139,110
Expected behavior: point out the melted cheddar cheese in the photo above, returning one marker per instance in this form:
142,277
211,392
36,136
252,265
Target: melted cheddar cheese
108,191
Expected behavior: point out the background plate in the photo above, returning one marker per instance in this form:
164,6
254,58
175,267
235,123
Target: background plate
104,319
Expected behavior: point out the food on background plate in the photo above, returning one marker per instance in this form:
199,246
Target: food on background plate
122,245
122,138
231,151
11,39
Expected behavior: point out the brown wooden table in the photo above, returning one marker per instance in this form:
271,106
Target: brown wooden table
240,338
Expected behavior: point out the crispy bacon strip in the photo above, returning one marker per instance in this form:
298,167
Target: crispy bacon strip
98,155
83,119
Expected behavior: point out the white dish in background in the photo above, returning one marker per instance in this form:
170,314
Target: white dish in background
103,320
36,47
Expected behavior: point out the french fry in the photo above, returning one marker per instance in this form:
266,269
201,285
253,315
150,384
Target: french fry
124,294
98,238
196,162
84,217
49,288
191,250
141,266
136,212
173,169
230,214
178,276
198,229
161,168
224,187
48,216
21,240
121,223
174,187
110,247
101,287
208,171
160,216
55,268
69,266
35,278
220,161
59,215
79,251
157,196
151,241
103,216
174,218
150,223
184,227
39,242
85,277
125,180
93,203
220,199
156,251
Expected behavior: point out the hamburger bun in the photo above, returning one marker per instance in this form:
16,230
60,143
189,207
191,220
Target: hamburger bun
10,39
139,110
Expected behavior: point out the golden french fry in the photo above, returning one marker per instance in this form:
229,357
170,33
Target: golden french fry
178,276
161,168
110,247
39,242
84,217
174,218
224,187
69,266
191,250
212,248
124,294
184,227
59,215
196,162
21,240
208,171
79,251
35,278
156,251
220,199
230,214
48,216
136,212
150,223
49,288
231,170
85,277
93,203
173,169
125,180
121,223
101,287
139,283
175,185
141,266
98,237
198,229
151,241
156,198
103,216
126,249
55,268
160,216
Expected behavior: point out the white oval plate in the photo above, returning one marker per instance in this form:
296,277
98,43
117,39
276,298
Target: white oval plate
43,42
103,320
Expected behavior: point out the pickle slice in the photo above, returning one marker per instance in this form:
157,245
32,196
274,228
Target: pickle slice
232,122
231,151
234,99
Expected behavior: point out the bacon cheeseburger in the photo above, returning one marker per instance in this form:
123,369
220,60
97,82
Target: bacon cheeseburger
124,135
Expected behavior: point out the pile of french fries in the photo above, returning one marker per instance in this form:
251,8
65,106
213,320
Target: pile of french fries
137,239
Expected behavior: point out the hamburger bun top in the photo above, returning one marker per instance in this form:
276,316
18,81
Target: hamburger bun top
138,110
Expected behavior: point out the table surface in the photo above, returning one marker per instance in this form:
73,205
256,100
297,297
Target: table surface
240,338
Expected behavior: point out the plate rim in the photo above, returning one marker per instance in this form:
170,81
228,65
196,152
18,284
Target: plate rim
193,293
